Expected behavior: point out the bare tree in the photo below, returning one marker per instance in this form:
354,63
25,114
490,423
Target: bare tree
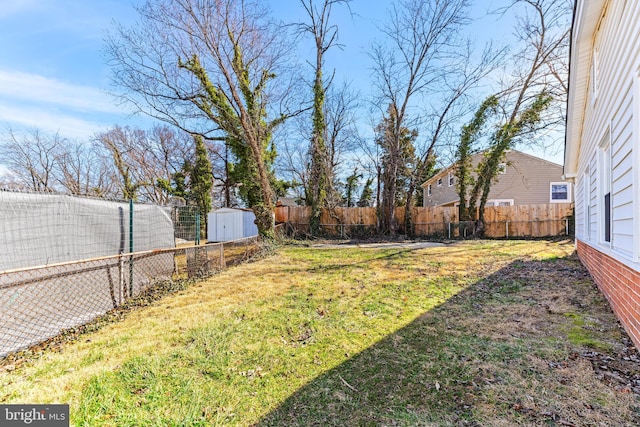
446,109
540,63
159,155
119,144
532,99
209,67
325,36
342,132
225,185
81,170
294,158
31,158
142,164
408,64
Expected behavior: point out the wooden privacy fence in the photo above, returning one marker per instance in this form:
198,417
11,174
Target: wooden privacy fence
554,219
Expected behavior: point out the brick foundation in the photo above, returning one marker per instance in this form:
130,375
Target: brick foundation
619,283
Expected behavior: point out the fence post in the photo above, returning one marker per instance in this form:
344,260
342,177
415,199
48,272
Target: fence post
197,239
507,226
223,263
121,282
449,230
131,247
120,258
566,226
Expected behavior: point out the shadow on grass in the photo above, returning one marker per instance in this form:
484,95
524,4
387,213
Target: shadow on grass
487,356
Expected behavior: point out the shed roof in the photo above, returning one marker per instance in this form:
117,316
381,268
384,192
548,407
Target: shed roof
223,210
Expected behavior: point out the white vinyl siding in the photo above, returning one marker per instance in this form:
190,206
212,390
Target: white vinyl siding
634,143
594,75
615,81
604,194
622,195
593,199
579,209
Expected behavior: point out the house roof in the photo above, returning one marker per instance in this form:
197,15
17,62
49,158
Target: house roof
449,168
586,17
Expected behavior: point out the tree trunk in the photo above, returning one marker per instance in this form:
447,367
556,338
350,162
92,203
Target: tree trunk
263,211
409,228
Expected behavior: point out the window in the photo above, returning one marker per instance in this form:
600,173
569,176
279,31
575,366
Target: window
439,182
605,186
502,168
429,190
451,179
560,192
500,202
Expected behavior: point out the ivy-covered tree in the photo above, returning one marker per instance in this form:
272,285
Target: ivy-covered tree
350,186
464,168
501,141
366,197
320,184
210,67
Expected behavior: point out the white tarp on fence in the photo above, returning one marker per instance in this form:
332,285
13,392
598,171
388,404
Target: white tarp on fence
42,229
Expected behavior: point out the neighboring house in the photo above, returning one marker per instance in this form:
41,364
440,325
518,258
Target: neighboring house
286,201
523,179
602,149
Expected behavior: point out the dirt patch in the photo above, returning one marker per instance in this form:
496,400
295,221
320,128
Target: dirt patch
578,344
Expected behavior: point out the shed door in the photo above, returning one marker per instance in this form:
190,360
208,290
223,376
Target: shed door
224,226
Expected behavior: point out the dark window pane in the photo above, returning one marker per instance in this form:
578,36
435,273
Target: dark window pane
607,217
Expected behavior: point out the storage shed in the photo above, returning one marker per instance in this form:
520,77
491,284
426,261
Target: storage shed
227,224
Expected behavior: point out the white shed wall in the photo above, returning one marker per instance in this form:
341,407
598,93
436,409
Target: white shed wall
250,228
228,224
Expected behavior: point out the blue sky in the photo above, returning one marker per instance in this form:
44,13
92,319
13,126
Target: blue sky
52,70
54,76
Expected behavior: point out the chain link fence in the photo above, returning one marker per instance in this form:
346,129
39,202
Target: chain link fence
67,260
188,224
445,230
39,303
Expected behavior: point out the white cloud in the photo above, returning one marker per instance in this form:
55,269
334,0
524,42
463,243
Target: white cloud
49,121
12,7
35,88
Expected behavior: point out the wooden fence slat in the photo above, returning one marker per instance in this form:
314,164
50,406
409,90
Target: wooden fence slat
520,220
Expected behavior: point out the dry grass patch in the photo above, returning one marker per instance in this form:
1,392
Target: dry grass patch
475,333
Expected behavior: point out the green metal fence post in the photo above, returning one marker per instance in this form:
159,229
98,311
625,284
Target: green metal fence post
197,228
131,247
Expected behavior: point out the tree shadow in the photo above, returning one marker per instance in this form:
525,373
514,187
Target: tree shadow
483,357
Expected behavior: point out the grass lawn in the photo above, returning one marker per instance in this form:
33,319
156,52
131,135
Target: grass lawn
476,333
